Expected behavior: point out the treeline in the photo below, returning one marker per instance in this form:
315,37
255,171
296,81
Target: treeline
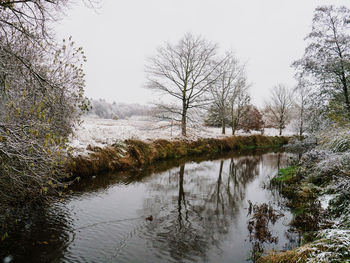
106,110
196,76
197,79
250,119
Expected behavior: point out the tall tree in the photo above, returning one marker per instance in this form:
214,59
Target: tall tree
278,110
224,88
184,72
239,101
301,103
326,62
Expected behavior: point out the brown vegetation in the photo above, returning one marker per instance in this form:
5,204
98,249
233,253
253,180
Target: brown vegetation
291,256
263,217
258,225
134,154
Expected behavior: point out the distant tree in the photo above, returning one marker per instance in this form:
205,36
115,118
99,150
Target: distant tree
252,120
326,62
224,88
184,72
238,103
106,110
278,111
300,106
214,116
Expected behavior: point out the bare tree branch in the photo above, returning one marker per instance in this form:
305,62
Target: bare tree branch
184,71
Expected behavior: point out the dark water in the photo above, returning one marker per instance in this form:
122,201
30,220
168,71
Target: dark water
199,212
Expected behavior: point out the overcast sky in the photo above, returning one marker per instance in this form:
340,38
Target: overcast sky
118,37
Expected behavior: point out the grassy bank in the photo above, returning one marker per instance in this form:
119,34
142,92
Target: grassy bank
134,154
129,176
317,190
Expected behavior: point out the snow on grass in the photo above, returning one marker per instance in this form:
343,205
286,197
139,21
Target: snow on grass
102,132
336,141
333,246
324,200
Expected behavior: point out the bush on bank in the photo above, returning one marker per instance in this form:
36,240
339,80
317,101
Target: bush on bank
318,191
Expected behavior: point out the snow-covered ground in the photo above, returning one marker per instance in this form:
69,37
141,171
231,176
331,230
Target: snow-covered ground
102,132
324,200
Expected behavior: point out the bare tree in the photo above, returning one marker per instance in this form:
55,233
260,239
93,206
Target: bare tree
239,101
224,88
301,95
184,72
278,110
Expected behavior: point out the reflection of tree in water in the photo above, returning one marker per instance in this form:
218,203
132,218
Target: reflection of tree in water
193,208
274,161
175,231
263,217
195,211
242,172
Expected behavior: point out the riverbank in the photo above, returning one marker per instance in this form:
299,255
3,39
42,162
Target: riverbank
135,154
103,132
318,192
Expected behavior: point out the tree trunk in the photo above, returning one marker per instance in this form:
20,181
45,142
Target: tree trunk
234,127
223,124
183,124
183,118
346,95
343,78
281,123
301,120
232,121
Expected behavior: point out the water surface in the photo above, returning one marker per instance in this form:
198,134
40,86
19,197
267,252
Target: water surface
199,214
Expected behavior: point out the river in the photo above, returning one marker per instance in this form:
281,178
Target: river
193,212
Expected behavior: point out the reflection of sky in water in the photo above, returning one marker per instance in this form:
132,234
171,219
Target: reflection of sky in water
199,214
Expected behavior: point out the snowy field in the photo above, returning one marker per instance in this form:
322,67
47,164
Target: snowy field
101,132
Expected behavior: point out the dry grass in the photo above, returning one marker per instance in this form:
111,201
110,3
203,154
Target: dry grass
299,255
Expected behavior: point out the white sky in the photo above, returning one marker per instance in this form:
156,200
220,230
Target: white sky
120,35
